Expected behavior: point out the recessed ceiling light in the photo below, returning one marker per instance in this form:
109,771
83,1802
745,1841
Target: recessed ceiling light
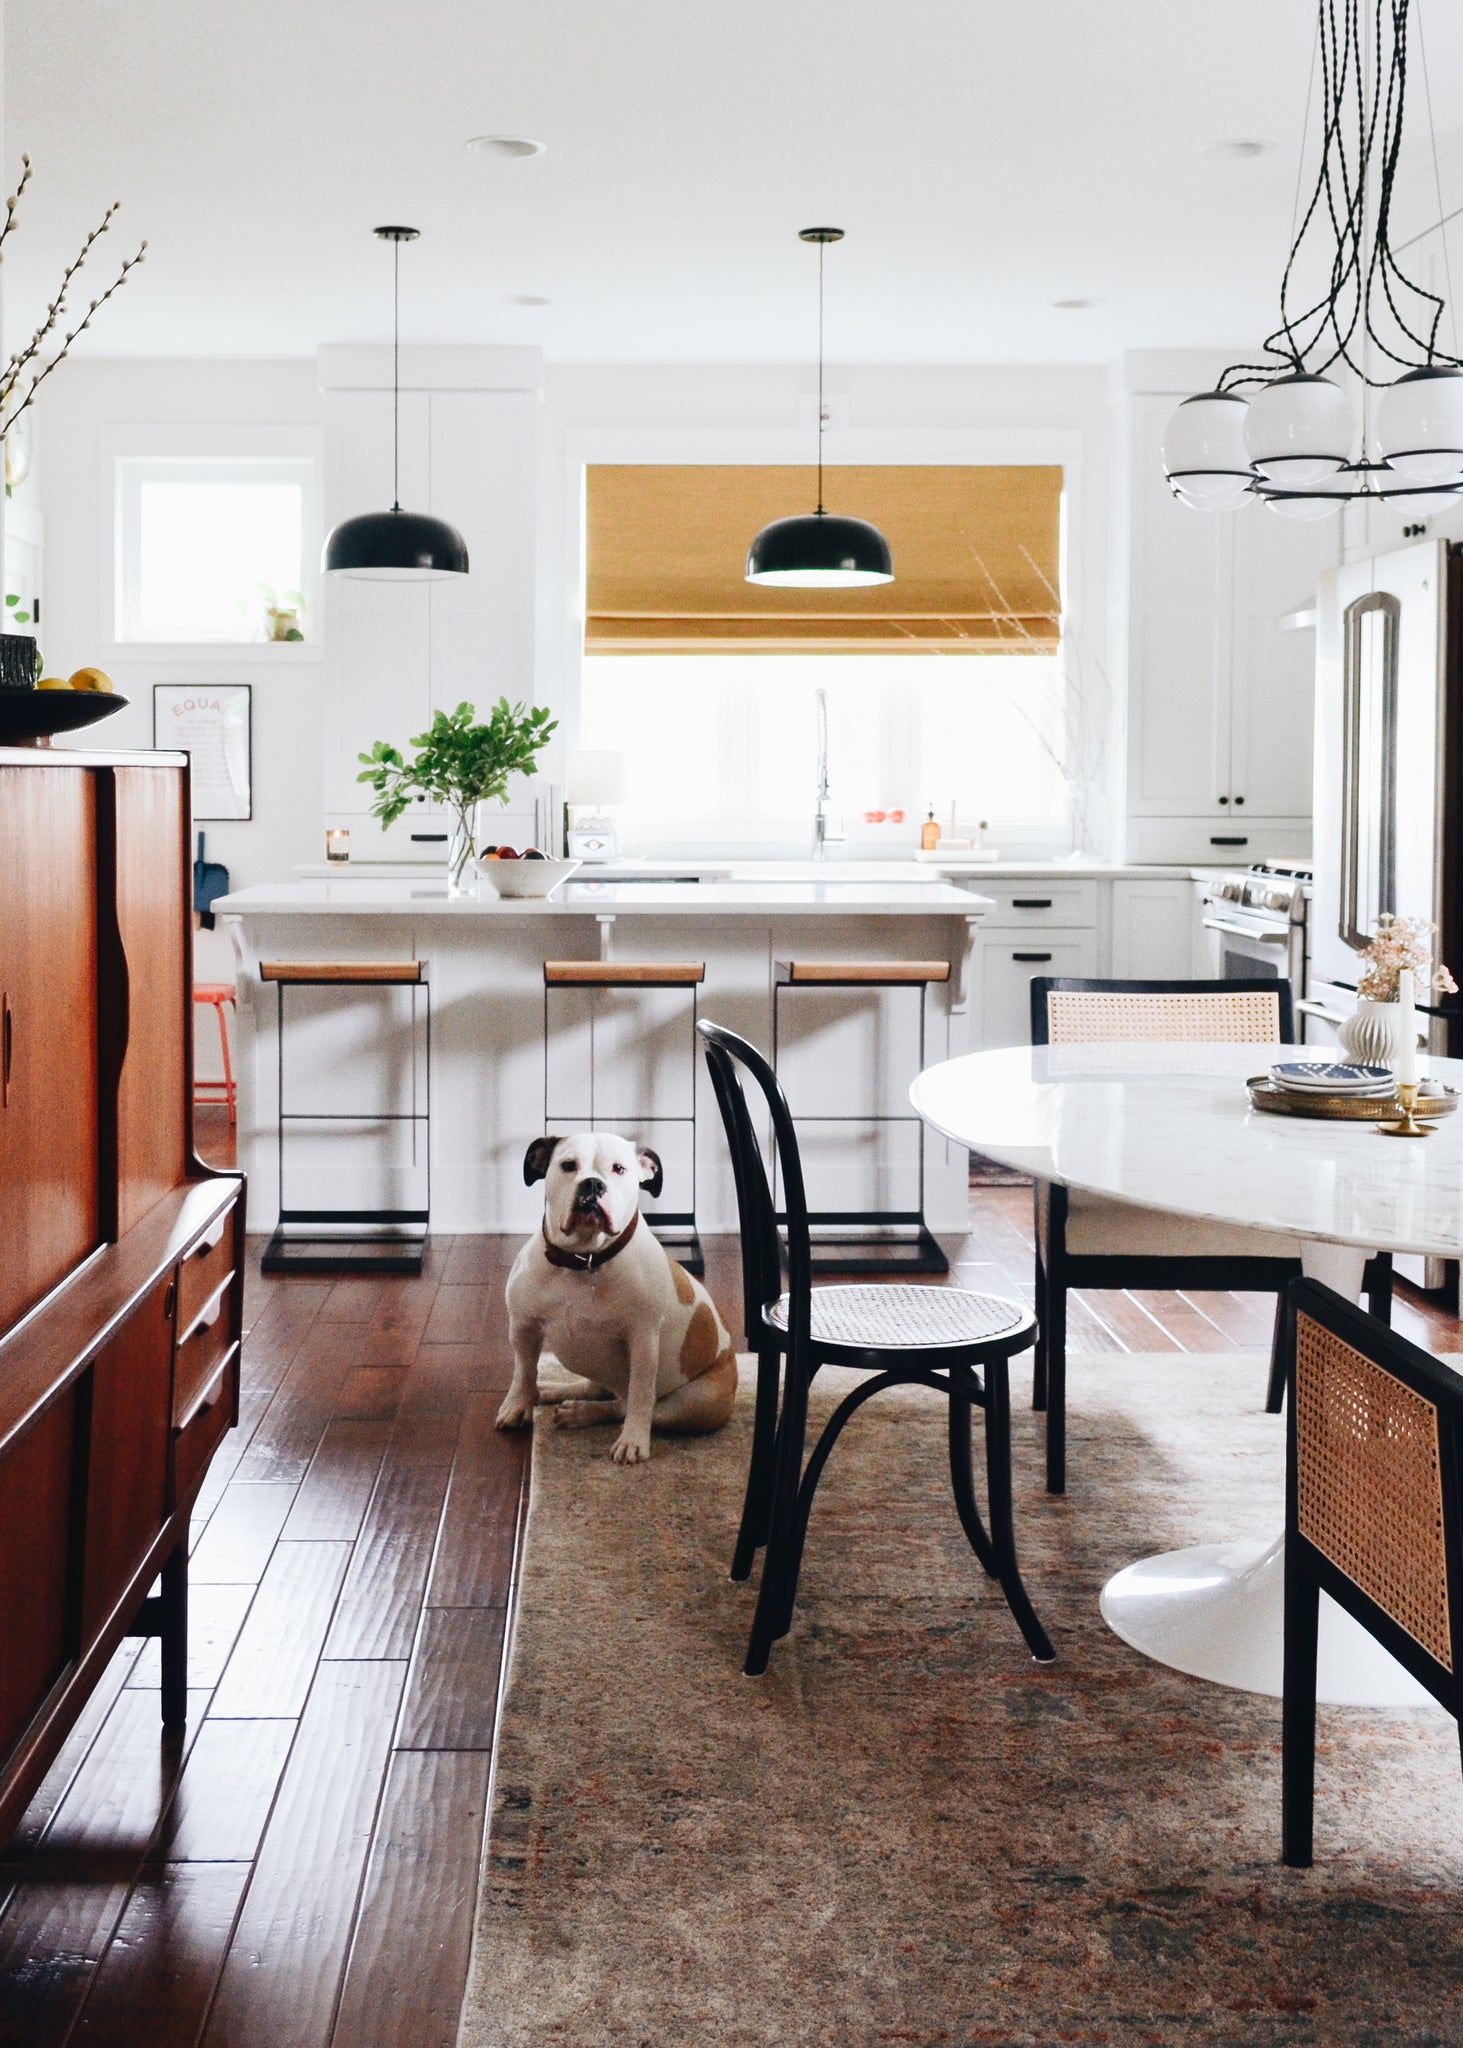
528,299
1074,305
506,145
1235,149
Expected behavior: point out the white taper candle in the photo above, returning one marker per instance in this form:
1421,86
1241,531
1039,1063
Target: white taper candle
1406,1028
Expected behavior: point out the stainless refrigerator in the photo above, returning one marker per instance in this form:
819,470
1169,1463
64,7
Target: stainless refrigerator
1389,753
1387,797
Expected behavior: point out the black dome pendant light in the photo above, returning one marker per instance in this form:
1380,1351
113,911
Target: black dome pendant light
820,550
395,546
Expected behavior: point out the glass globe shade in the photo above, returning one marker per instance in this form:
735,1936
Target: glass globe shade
1213,490
1207,434
1422,500
1316,504
1420,425
1299,430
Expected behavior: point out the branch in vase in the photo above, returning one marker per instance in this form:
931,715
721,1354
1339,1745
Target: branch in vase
13,202
61,354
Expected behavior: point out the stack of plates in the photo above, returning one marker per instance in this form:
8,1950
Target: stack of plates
1332,1077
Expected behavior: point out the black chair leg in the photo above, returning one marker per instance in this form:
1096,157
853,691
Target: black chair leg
1379,1287
173,1638
1038,1364
775,1595
761,1467
998,1495
1275,1391
1056,1386
962,1480
1298,1716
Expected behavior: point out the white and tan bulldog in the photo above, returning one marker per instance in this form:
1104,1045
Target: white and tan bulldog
594,1287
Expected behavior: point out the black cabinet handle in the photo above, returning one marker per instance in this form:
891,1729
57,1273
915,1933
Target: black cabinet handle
1031,956
1243,840
1239,799
429,839
1031,903
1224,799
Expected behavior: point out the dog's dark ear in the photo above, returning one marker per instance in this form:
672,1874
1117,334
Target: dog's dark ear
536,1159
652,1173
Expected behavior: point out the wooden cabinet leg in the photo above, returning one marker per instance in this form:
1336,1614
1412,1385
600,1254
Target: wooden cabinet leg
174,1637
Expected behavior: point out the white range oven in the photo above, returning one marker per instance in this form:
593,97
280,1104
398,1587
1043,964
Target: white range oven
1255,921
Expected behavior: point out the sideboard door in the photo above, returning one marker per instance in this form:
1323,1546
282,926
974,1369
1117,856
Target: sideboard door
48,1031
153,923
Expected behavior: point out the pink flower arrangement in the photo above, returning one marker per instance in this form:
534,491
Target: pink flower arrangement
1402,942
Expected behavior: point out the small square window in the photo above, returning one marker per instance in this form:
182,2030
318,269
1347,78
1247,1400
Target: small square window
215,550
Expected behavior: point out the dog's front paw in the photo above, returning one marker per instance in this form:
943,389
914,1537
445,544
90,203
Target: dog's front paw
631,1450
516,1411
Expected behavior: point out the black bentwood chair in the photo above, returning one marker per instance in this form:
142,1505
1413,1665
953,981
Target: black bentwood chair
1373,1516
900,1334
1085,1240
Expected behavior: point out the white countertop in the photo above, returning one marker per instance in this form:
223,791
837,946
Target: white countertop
885,871
577,897
1170,1127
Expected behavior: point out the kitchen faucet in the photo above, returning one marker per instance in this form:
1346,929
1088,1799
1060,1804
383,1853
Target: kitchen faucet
821,835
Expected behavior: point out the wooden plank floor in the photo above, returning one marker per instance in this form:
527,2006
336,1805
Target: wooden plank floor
300,1869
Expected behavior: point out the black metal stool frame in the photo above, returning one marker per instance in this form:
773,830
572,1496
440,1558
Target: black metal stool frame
780,1488
674,1228
917,1254
396,1242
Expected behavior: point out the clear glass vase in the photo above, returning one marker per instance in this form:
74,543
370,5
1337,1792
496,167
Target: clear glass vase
463,872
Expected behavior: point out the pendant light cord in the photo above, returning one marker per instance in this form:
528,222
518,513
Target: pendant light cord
821,248
396,373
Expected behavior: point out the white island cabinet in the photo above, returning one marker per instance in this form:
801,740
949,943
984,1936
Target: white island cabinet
358,1060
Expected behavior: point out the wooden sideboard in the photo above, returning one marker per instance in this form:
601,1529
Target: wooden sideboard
121,1253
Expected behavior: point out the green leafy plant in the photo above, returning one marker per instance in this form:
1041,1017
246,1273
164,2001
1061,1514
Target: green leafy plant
20,618
461,764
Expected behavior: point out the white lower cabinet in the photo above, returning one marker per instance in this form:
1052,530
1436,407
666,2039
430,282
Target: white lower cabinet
1153,930
1009,961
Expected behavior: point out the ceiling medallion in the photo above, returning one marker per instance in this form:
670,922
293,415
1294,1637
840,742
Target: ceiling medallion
1284,430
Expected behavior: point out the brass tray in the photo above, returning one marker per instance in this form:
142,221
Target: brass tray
1364,1109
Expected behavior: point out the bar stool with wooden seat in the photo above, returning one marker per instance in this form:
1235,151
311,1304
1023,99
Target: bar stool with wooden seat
868,1240
675,1228
355,1240
219,995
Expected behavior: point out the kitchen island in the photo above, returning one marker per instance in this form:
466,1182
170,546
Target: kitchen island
360,1067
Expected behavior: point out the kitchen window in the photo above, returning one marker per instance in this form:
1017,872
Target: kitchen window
216,549
721,750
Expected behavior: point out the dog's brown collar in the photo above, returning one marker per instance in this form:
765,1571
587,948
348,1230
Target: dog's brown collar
589,1262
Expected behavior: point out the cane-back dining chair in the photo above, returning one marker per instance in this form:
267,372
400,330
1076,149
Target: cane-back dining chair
898,1334
1373,1516
1086,1240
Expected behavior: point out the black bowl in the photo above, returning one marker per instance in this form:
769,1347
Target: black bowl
36,714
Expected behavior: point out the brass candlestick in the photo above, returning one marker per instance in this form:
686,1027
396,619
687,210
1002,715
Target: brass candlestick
1409,1127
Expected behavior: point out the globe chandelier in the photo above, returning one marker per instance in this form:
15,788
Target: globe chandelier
1285,430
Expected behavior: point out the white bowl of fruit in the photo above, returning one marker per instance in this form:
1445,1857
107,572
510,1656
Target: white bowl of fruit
530,873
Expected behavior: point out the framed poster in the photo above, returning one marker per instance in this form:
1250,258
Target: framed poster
213,724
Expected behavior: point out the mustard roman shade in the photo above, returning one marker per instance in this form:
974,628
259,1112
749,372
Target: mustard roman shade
975,560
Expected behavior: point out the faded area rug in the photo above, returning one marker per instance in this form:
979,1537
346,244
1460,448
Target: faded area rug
908,1832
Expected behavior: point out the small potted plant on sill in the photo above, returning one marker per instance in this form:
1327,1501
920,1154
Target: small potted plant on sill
1370,1033
459,764
282,614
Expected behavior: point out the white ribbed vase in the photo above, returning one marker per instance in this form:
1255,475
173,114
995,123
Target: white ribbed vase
1369,1034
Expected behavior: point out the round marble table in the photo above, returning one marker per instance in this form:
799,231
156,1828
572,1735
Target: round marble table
1170,1127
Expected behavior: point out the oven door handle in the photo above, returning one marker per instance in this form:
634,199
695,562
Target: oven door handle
1244,931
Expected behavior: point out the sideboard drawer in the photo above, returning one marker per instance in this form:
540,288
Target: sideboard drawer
1072,904
206,1267
204,1428
199,1353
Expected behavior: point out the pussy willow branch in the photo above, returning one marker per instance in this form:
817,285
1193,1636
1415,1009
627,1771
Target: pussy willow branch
29,358
14,201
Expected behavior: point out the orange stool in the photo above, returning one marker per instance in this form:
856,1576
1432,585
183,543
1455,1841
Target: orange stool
218,993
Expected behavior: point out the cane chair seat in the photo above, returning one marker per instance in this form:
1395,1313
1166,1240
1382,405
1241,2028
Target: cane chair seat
1090,1016
889,1317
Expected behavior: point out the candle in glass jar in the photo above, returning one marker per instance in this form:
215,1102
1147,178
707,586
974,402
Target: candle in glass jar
1406,1029
338,843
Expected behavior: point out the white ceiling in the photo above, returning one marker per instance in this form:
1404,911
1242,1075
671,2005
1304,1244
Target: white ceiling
985,160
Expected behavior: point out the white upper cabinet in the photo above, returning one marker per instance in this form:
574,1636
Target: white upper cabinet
400,651
1219,694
